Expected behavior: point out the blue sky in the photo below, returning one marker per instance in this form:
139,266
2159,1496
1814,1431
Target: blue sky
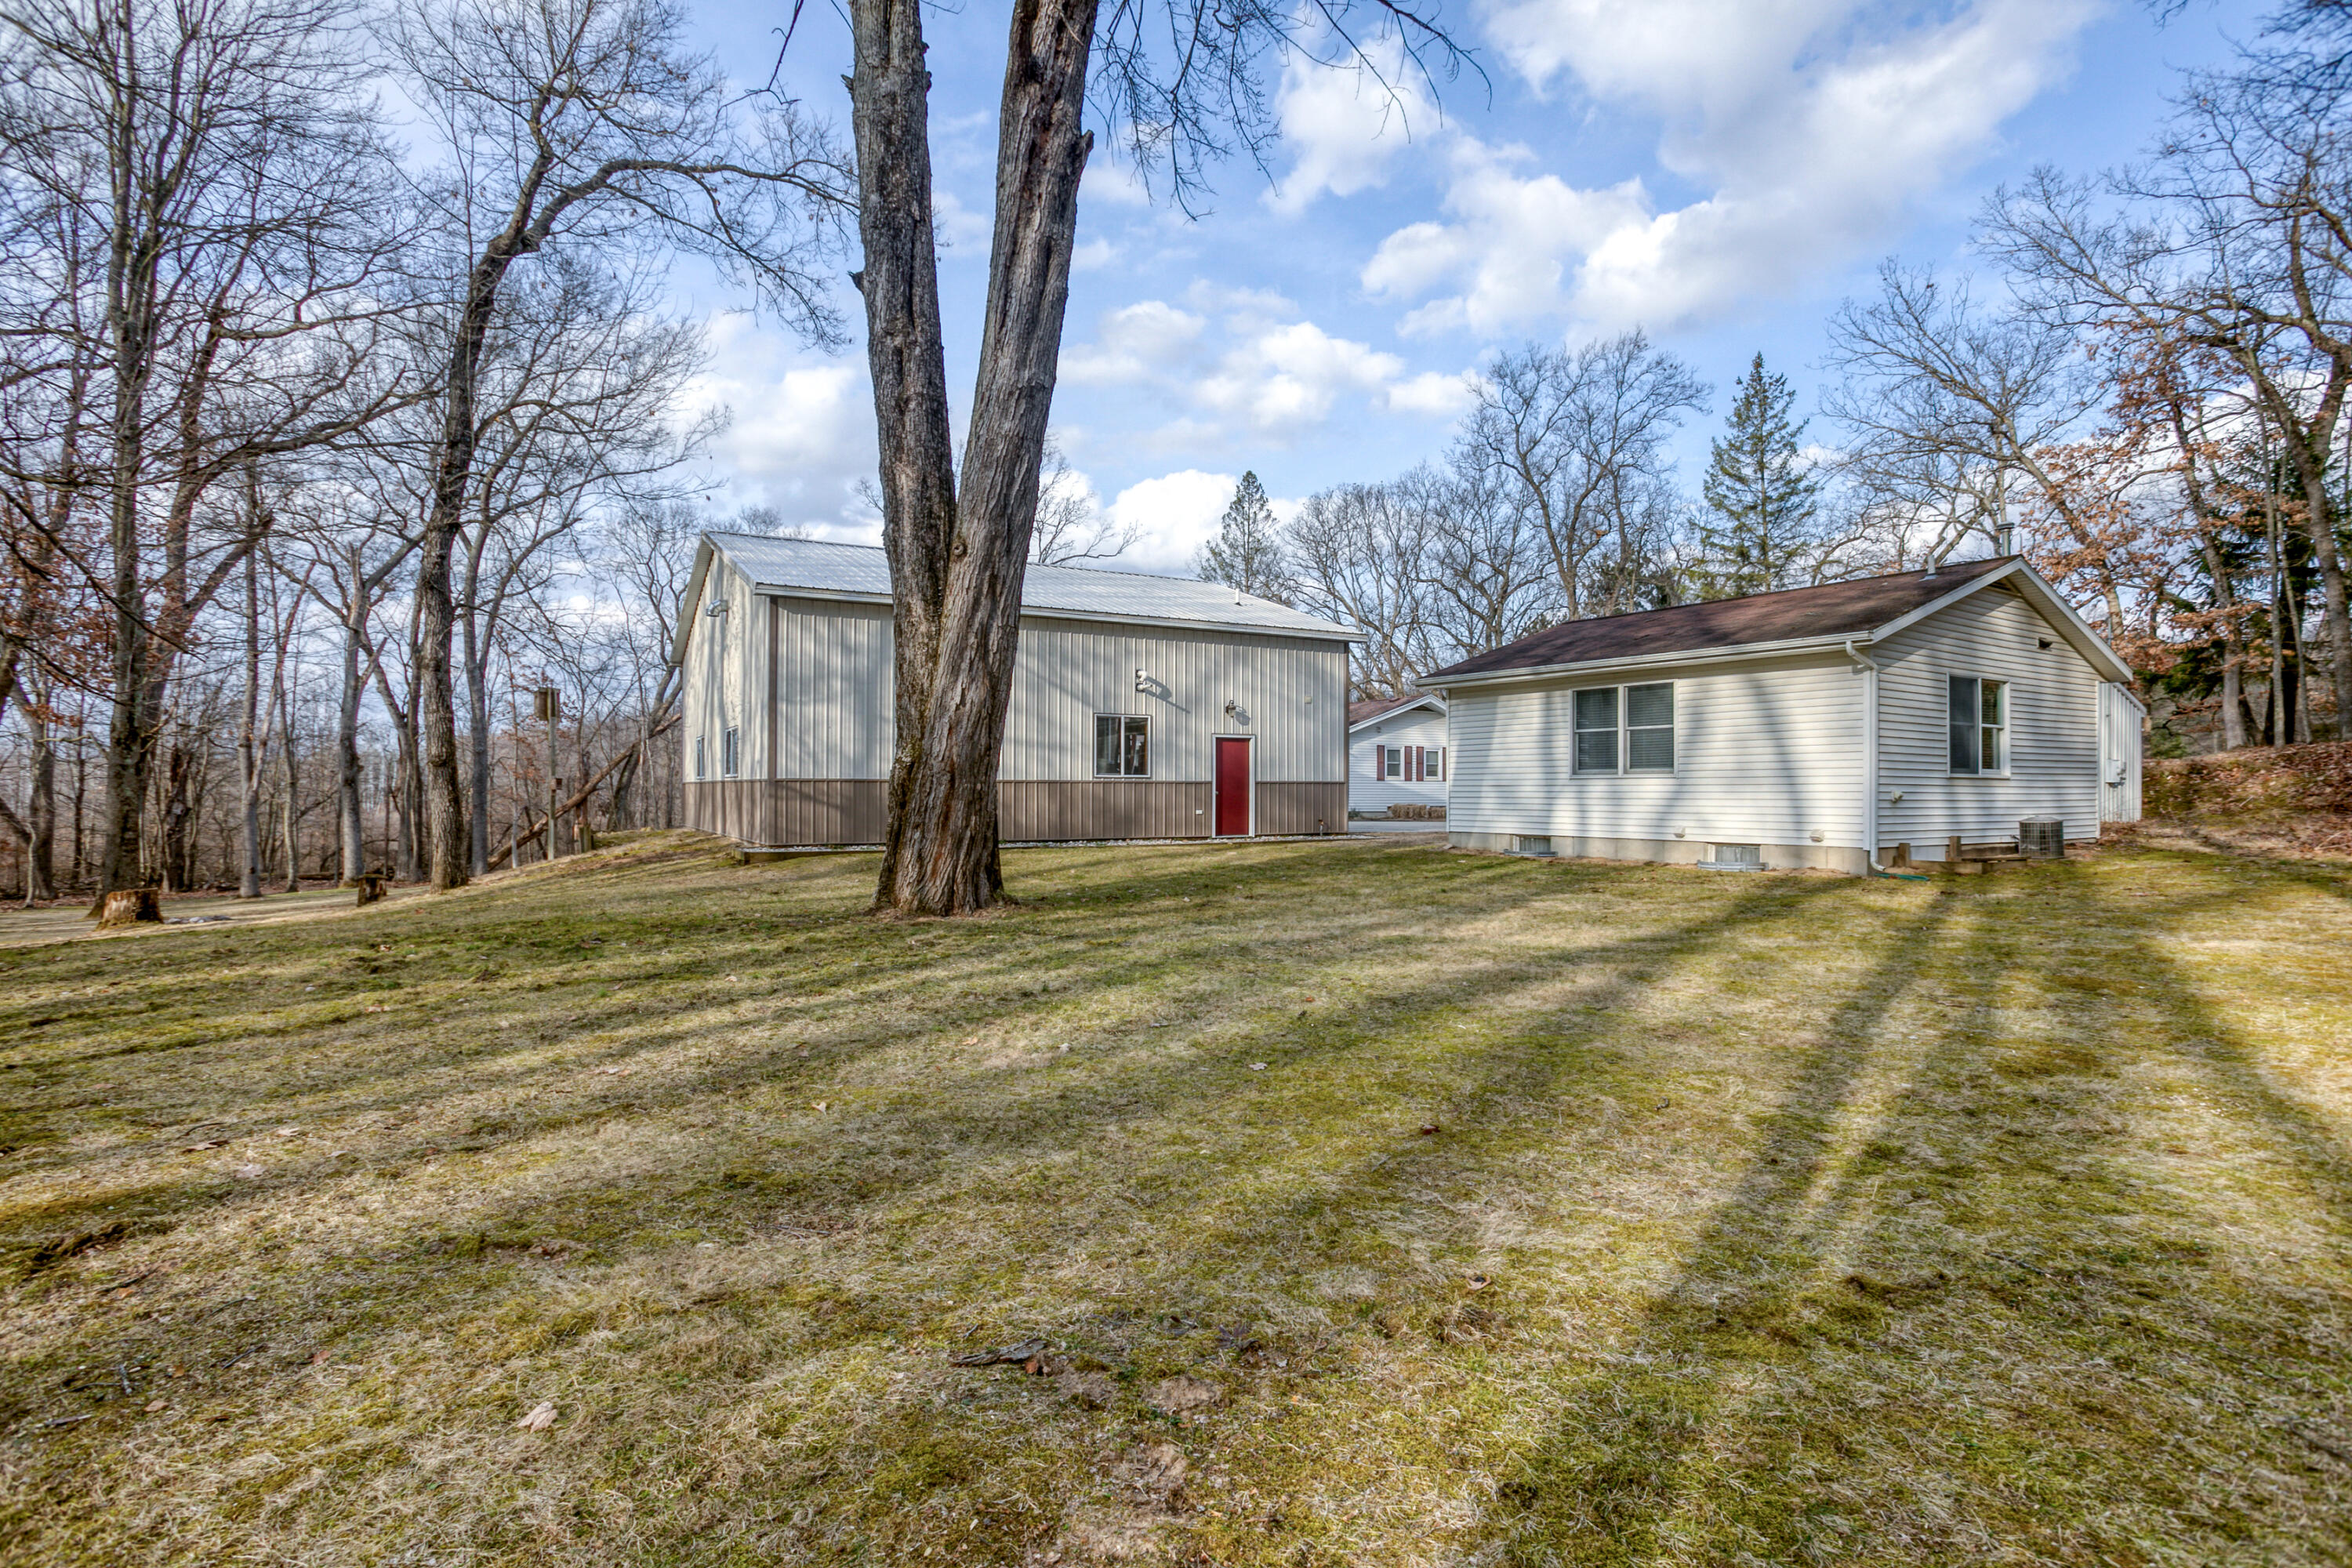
1720,173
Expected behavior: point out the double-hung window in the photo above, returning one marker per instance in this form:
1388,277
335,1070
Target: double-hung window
1625,729
1409,765
730,752
1122,746
1979,724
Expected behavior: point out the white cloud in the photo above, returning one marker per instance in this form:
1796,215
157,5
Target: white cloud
958,227
1135,343
1812,124
1268,375
802,432
1173,516
1092,255
1433,396
1345,127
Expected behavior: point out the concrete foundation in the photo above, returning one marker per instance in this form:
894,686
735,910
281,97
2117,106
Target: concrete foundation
1673,851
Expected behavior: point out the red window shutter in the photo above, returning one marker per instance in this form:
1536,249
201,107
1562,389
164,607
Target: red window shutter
1418,765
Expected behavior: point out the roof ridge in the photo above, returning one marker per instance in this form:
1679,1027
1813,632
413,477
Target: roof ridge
1918,573
1034,566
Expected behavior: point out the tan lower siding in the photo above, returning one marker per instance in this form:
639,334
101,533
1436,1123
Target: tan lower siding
1302,807
789,811
1033,809
850,811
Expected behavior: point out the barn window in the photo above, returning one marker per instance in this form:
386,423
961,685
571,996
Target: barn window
1596,730
730,752
701,771
1650,728
1979,711
1122,746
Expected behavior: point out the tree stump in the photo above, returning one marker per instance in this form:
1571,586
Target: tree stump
131,906
371,889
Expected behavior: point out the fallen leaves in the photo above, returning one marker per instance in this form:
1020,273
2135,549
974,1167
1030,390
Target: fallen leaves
248,1172
1019,1353
208,1144
542,1416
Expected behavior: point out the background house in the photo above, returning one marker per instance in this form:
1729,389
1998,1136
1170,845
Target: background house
1817,727
1396,753
1142,707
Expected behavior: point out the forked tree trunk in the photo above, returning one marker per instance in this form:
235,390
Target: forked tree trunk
956,569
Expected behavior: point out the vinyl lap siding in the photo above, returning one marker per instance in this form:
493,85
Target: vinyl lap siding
1764,754
1369,792
2054,727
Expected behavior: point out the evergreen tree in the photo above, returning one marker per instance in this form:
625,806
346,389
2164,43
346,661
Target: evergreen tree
1761,502
1247,552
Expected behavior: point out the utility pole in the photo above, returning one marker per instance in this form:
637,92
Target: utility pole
548,704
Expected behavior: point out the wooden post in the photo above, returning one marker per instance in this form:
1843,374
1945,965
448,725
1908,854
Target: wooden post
555,795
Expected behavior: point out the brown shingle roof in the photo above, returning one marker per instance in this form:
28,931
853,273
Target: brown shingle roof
1833,609
1372,707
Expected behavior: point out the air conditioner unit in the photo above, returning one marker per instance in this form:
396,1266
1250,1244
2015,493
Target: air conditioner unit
2043,838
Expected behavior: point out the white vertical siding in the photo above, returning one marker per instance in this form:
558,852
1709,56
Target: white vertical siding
1369,792
712,697
1290,693
834,715
1767,752
2054,727
2122,746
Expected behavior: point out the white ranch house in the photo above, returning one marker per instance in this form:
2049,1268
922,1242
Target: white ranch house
1818,727
1142,707
1396,753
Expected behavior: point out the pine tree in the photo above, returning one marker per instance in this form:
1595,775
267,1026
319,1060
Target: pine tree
1762,498
1248,552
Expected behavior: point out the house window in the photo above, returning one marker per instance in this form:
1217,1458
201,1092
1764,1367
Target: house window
730,752
1645,714
700,770
1979,724
1650,728
1122,746
1596,730
1433,763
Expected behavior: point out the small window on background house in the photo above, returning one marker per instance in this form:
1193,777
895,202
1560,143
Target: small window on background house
1596,730
1979,724
1436,764
1392,761
730,753
1650,728
1122,746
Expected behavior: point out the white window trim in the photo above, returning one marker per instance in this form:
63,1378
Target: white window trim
1626,728
1151,749
2007,722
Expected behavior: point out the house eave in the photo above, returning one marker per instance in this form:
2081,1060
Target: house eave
1732,654
1434,701
1253,629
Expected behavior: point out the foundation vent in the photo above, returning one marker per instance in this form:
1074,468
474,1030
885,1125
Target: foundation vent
1739,856
1530,842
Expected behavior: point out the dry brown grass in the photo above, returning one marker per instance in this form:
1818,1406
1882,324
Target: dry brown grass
1768,1219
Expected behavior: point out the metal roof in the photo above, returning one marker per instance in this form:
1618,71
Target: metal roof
861,572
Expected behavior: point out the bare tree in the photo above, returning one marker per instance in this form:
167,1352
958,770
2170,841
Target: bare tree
1361,553
585,122
1181,85
1580,440
219,157
1070,528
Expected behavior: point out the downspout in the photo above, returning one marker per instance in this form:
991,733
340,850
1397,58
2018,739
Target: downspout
1868,669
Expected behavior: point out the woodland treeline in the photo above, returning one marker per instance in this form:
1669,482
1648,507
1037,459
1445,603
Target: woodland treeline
326,439
338,393
2140,385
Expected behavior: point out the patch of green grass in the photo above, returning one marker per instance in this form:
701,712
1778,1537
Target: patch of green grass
1772,1219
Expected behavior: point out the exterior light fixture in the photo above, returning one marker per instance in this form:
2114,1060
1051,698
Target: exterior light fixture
716,608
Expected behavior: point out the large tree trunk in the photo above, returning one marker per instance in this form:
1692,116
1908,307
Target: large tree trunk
351,824
477,708
956,570
41,810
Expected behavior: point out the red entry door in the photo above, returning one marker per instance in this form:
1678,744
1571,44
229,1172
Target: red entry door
1233,787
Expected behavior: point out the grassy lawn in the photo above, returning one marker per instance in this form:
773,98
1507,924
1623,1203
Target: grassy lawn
1376,1205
